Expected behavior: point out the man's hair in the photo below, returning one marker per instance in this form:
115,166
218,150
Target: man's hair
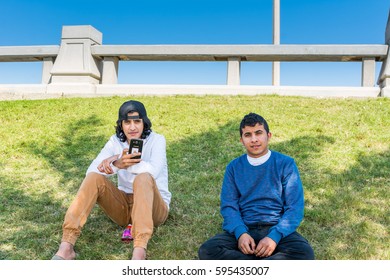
251,120
132,106
145,133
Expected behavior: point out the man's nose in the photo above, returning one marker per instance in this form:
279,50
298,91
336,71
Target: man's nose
132,125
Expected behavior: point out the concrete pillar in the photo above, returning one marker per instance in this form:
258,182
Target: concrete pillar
233,71
384,76
75,63
276,73
368,72
47,66
387,32
276,41
110,70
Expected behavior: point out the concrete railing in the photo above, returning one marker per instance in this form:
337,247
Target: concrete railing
234,54
82,66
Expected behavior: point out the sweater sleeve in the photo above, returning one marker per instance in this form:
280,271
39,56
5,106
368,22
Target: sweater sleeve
293,203
230,210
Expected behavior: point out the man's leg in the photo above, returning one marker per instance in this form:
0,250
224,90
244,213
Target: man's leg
223,246
95,188
149,210
293,247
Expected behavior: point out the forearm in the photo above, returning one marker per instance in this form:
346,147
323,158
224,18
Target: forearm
293,205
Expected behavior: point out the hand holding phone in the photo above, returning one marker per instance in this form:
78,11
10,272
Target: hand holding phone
136,146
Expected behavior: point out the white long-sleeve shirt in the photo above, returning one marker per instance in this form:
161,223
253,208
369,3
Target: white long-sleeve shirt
153,161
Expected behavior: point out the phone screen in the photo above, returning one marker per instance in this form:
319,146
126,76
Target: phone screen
136,146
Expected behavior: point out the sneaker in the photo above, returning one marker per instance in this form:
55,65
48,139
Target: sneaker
126,235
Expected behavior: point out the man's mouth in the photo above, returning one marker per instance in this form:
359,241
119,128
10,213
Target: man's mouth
133,133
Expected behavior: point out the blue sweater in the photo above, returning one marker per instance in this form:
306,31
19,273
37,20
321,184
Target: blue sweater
270,193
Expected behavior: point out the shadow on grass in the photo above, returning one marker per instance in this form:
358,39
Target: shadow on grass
75,150
196,168
41,215
351,220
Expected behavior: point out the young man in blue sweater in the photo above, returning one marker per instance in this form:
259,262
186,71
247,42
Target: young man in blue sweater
261,203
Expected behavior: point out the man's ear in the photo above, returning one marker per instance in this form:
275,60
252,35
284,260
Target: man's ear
241,141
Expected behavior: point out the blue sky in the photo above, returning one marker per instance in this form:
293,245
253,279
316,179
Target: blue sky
34,22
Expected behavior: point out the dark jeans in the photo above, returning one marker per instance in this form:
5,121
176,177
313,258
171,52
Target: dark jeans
224,246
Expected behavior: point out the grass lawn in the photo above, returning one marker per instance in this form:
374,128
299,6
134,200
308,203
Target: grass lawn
341,146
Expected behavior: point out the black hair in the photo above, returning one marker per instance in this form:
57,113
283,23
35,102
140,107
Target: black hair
251,120
145,133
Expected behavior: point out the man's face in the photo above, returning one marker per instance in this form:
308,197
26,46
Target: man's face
255,140
133,127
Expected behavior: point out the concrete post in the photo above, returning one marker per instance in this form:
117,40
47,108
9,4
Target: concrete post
75,63
47,66
276,73
110,70
233,71
368,72
384,76
276,41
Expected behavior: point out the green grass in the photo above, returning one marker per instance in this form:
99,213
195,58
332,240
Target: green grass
341,146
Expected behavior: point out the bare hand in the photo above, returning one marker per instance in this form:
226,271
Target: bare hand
246,244
105,167
265,248
127,160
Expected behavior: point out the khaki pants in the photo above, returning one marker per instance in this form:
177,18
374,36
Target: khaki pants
144,209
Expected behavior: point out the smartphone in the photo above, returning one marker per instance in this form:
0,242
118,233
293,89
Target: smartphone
136,146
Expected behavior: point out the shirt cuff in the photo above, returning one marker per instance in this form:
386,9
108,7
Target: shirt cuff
240,230
275,235
113,167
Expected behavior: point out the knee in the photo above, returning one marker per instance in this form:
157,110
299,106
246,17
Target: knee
93,176
306,251
309,253
143,180
202,252
93,179
205,252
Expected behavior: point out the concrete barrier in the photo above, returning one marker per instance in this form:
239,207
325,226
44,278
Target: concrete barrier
83,66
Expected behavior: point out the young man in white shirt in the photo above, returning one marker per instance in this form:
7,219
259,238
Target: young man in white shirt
141,198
